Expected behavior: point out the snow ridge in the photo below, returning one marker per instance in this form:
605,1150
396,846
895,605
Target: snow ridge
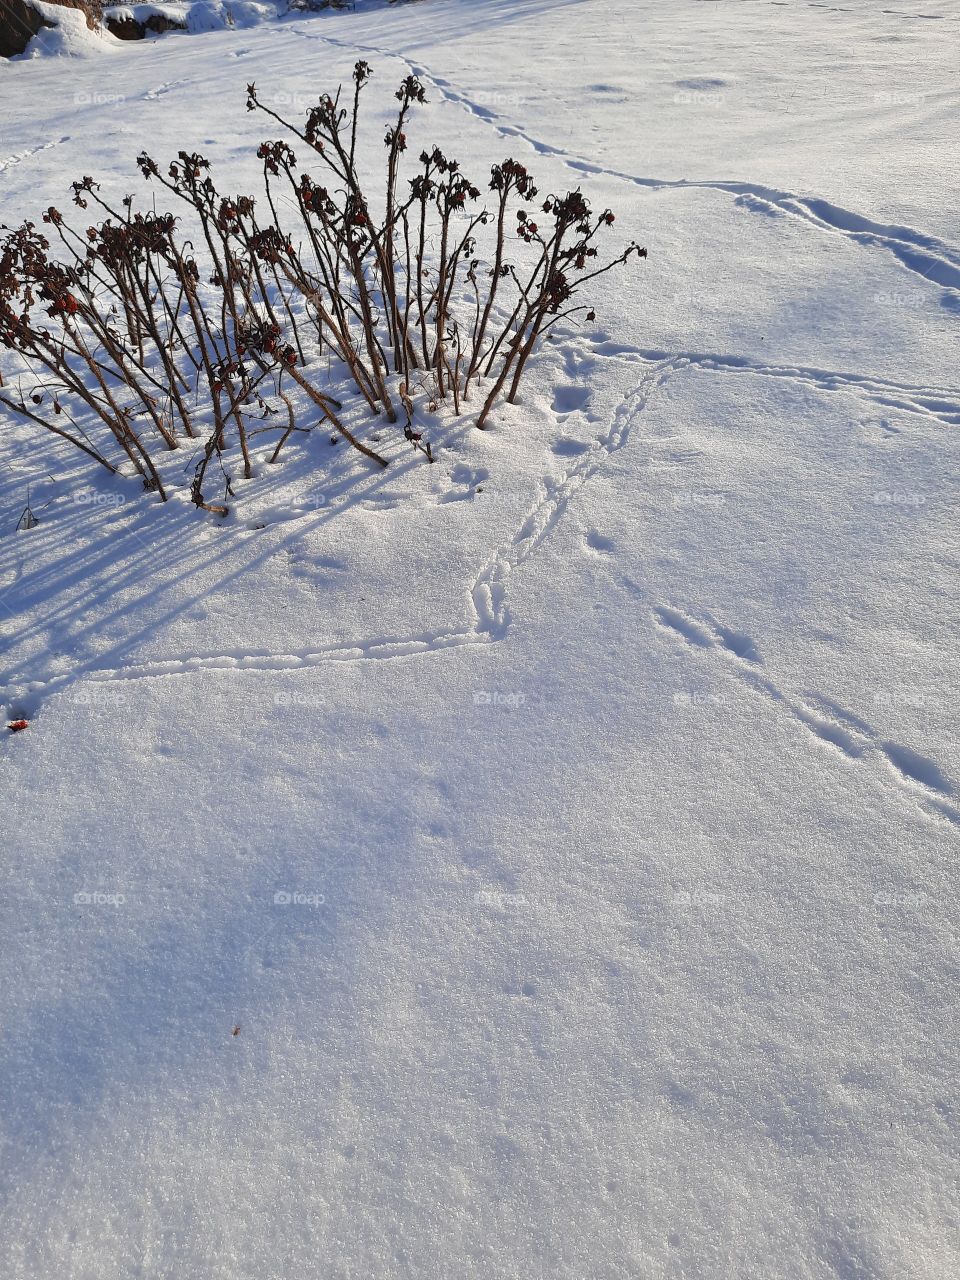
925,255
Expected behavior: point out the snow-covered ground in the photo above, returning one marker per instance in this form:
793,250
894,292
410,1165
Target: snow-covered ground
570,827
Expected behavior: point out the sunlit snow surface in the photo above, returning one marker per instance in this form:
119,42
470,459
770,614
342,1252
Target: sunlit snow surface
571,827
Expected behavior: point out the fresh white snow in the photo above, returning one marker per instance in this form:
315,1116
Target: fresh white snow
570,827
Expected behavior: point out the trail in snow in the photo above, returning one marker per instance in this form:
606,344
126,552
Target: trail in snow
490,622
939,403
487,594
19,156
489,589
924,255
920,776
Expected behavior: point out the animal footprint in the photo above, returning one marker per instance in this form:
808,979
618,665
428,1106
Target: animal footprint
737,643
567,447
880,427
607,348
570,399
467,480
708,634
597,542
829,731
161,89
917,768
684,627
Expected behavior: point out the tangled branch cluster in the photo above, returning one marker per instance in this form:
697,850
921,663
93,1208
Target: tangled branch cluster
130,328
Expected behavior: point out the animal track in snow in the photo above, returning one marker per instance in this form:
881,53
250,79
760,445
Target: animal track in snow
600,543
467,481
699,84
605,347
487,593
570,399
566,447
691,631
856,740
925,255
19,156
161,89
939,403
824,719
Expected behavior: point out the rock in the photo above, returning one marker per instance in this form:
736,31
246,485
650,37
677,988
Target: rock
130,28
20,22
